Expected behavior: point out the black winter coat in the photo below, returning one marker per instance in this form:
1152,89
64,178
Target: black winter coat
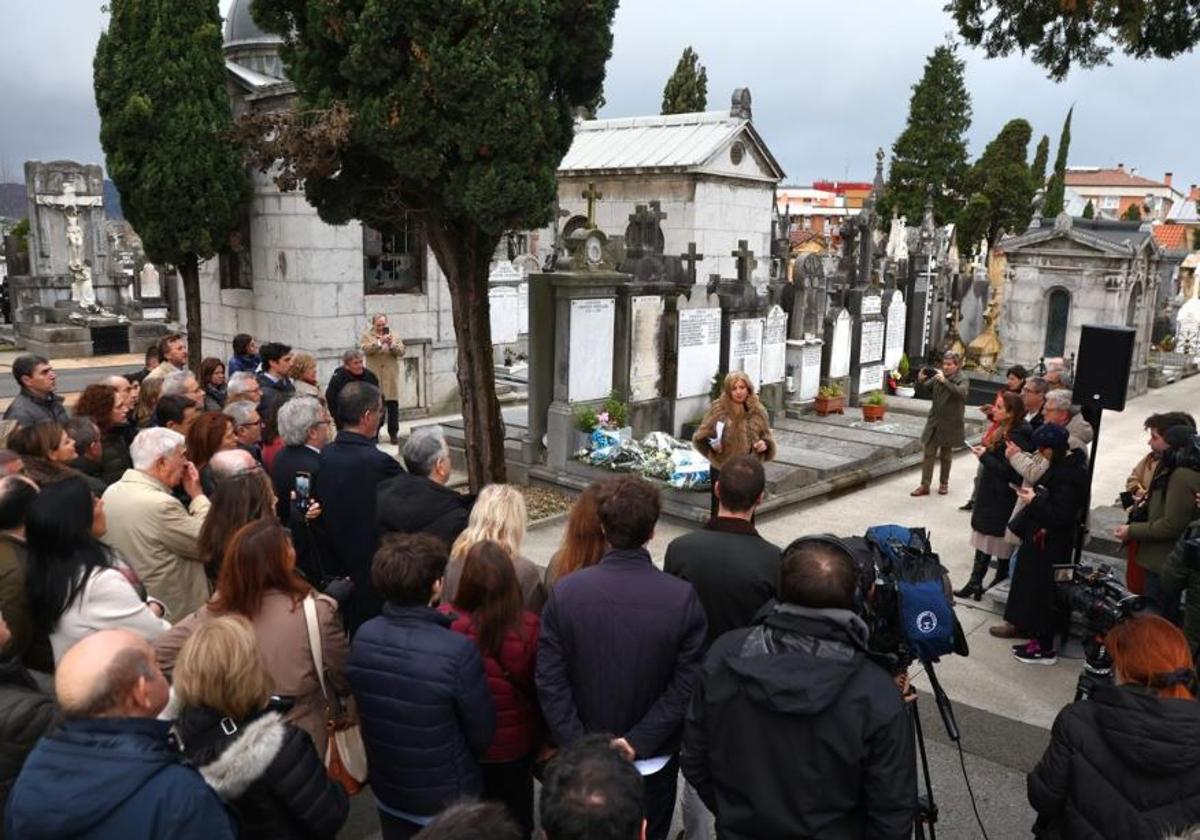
266,771
995,498
352,468
340,379
1124,765
427,714
1047,540
273,393
307,536
733,570
413,504
620,652
794,732
26,713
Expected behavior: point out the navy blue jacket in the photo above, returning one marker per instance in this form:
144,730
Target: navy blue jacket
120,778
620,651
273,393
351,469
427,714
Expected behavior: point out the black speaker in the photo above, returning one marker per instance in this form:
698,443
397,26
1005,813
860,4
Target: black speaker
1103,365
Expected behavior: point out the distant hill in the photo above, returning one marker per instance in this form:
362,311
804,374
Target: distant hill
12,201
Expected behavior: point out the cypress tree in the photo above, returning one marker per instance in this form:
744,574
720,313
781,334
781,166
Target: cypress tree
1089,210
1001,178
932,149
159,78
687,90
1056,189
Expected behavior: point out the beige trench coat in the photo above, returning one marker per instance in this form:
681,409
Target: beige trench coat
384,362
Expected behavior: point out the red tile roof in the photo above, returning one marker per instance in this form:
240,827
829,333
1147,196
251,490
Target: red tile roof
1172,237
1108,178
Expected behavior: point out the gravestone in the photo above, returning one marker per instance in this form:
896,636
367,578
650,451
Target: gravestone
743,311
523,308
591,348
866,356
808,313
921,287
645,356
504,306
835,358
893,341
804,368
774,358
699,353
745,348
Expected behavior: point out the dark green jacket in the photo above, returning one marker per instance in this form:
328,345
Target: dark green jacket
944,425
1178,576
1169,510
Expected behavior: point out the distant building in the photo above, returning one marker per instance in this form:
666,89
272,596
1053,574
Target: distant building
820,209
1113,191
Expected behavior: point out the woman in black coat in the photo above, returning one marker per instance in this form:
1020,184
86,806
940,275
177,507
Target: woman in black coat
994,494
265,770
1046,527
1126,762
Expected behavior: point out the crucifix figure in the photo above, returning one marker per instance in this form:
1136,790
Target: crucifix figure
691,258
745,261
592,195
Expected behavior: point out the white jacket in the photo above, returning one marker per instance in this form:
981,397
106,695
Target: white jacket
107,601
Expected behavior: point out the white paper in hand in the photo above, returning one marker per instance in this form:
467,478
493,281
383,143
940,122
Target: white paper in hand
720,432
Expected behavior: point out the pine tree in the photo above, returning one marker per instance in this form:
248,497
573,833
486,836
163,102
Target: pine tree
159,79
1133,213
1001,178
1089,210
463,127
1056,189
686,91
932,149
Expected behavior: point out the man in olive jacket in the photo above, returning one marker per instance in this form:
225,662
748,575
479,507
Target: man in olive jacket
947,388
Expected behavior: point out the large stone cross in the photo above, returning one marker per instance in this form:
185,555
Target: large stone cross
691,258
592,195
745,261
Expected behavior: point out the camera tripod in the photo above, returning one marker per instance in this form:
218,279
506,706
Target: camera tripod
925,823
1097,666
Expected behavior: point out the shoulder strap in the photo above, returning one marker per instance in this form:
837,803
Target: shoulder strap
314,640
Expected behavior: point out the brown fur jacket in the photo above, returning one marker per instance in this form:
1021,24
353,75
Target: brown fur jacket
743,428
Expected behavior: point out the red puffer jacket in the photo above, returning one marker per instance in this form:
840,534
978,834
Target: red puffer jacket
511,682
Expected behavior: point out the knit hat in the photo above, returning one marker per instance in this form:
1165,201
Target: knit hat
1050,436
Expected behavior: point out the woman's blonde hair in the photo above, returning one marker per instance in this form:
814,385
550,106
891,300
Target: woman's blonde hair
221,667
731,379
301,361
499,516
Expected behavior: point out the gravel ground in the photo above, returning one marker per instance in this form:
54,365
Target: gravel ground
542,502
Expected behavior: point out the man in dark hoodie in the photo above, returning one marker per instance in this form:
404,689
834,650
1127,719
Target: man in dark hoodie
419,502
111,770
793,731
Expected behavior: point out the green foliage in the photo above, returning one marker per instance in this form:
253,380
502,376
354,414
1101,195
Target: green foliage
718,382
1196,239
830,391
932,149
904,366
1037,170
1056,189
1089,210
159,78
875,398
20,232
1059,34
617,411
1001,188
1133,213
586,418
686,91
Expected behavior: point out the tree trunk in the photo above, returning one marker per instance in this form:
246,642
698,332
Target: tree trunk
465,257
189,273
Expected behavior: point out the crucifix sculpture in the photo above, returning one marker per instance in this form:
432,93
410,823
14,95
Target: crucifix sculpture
745,261
691,258
592,195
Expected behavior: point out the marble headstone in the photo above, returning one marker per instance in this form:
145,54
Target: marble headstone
839,347
504,314
746,347
149,283
645,351
590,353
699,355
774,346
893,342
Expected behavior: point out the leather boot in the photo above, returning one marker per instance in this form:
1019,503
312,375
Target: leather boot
1001,572
974,587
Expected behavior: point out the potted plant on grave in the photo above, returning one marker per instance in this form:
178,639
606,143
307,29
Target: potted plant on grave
586,420
874,407
831,399
904,385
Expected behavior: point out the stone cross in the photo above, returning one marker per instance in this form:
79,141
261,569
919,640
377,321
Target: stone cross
691,258
592,195
745,261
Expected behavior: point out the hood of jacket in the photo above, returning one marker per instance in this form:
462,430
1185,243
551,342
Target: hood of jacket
1155,735
797,660
90,767
230,755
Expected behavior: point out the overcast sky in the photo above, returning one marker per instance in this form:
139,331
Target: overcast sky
830,81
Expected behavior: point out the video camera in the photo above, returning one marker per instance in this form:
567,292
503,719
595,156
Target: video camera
1098,595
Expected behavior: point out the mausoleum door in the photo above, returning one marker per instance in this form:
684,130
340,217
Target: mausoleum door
1058,310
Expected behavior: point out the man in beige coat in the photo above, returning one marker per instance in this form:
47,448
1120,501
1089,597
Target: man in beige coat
152,529
383,350
944,427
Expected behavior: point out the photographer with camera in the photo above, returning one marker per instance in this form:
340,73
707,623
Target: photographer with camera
1170,506
793,730
944,428
1126,762
1046,528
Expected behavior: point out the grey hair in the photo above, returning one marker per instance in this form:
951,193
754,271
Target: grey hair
153,444
423,449
83,431
240,383
1059,399
952,356
296,418
1065,379
352,354
240,411
1038,384
112,686
230,462
175,383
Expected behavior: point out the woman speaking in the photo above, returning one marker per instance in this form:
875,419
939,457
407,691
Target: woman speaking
736,424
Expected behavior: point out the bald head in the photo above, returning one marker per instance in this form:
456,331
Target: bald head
230,462
111,673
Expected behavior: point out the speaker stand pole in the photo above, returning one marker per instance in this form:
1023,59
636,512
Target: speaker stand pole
1096,410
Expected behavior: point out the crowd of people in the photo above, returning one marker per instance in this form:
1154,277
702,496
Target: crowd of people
224,610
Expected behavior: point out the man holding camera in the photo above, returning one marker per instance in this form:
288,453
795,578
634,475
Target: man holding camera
793,731
944,428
